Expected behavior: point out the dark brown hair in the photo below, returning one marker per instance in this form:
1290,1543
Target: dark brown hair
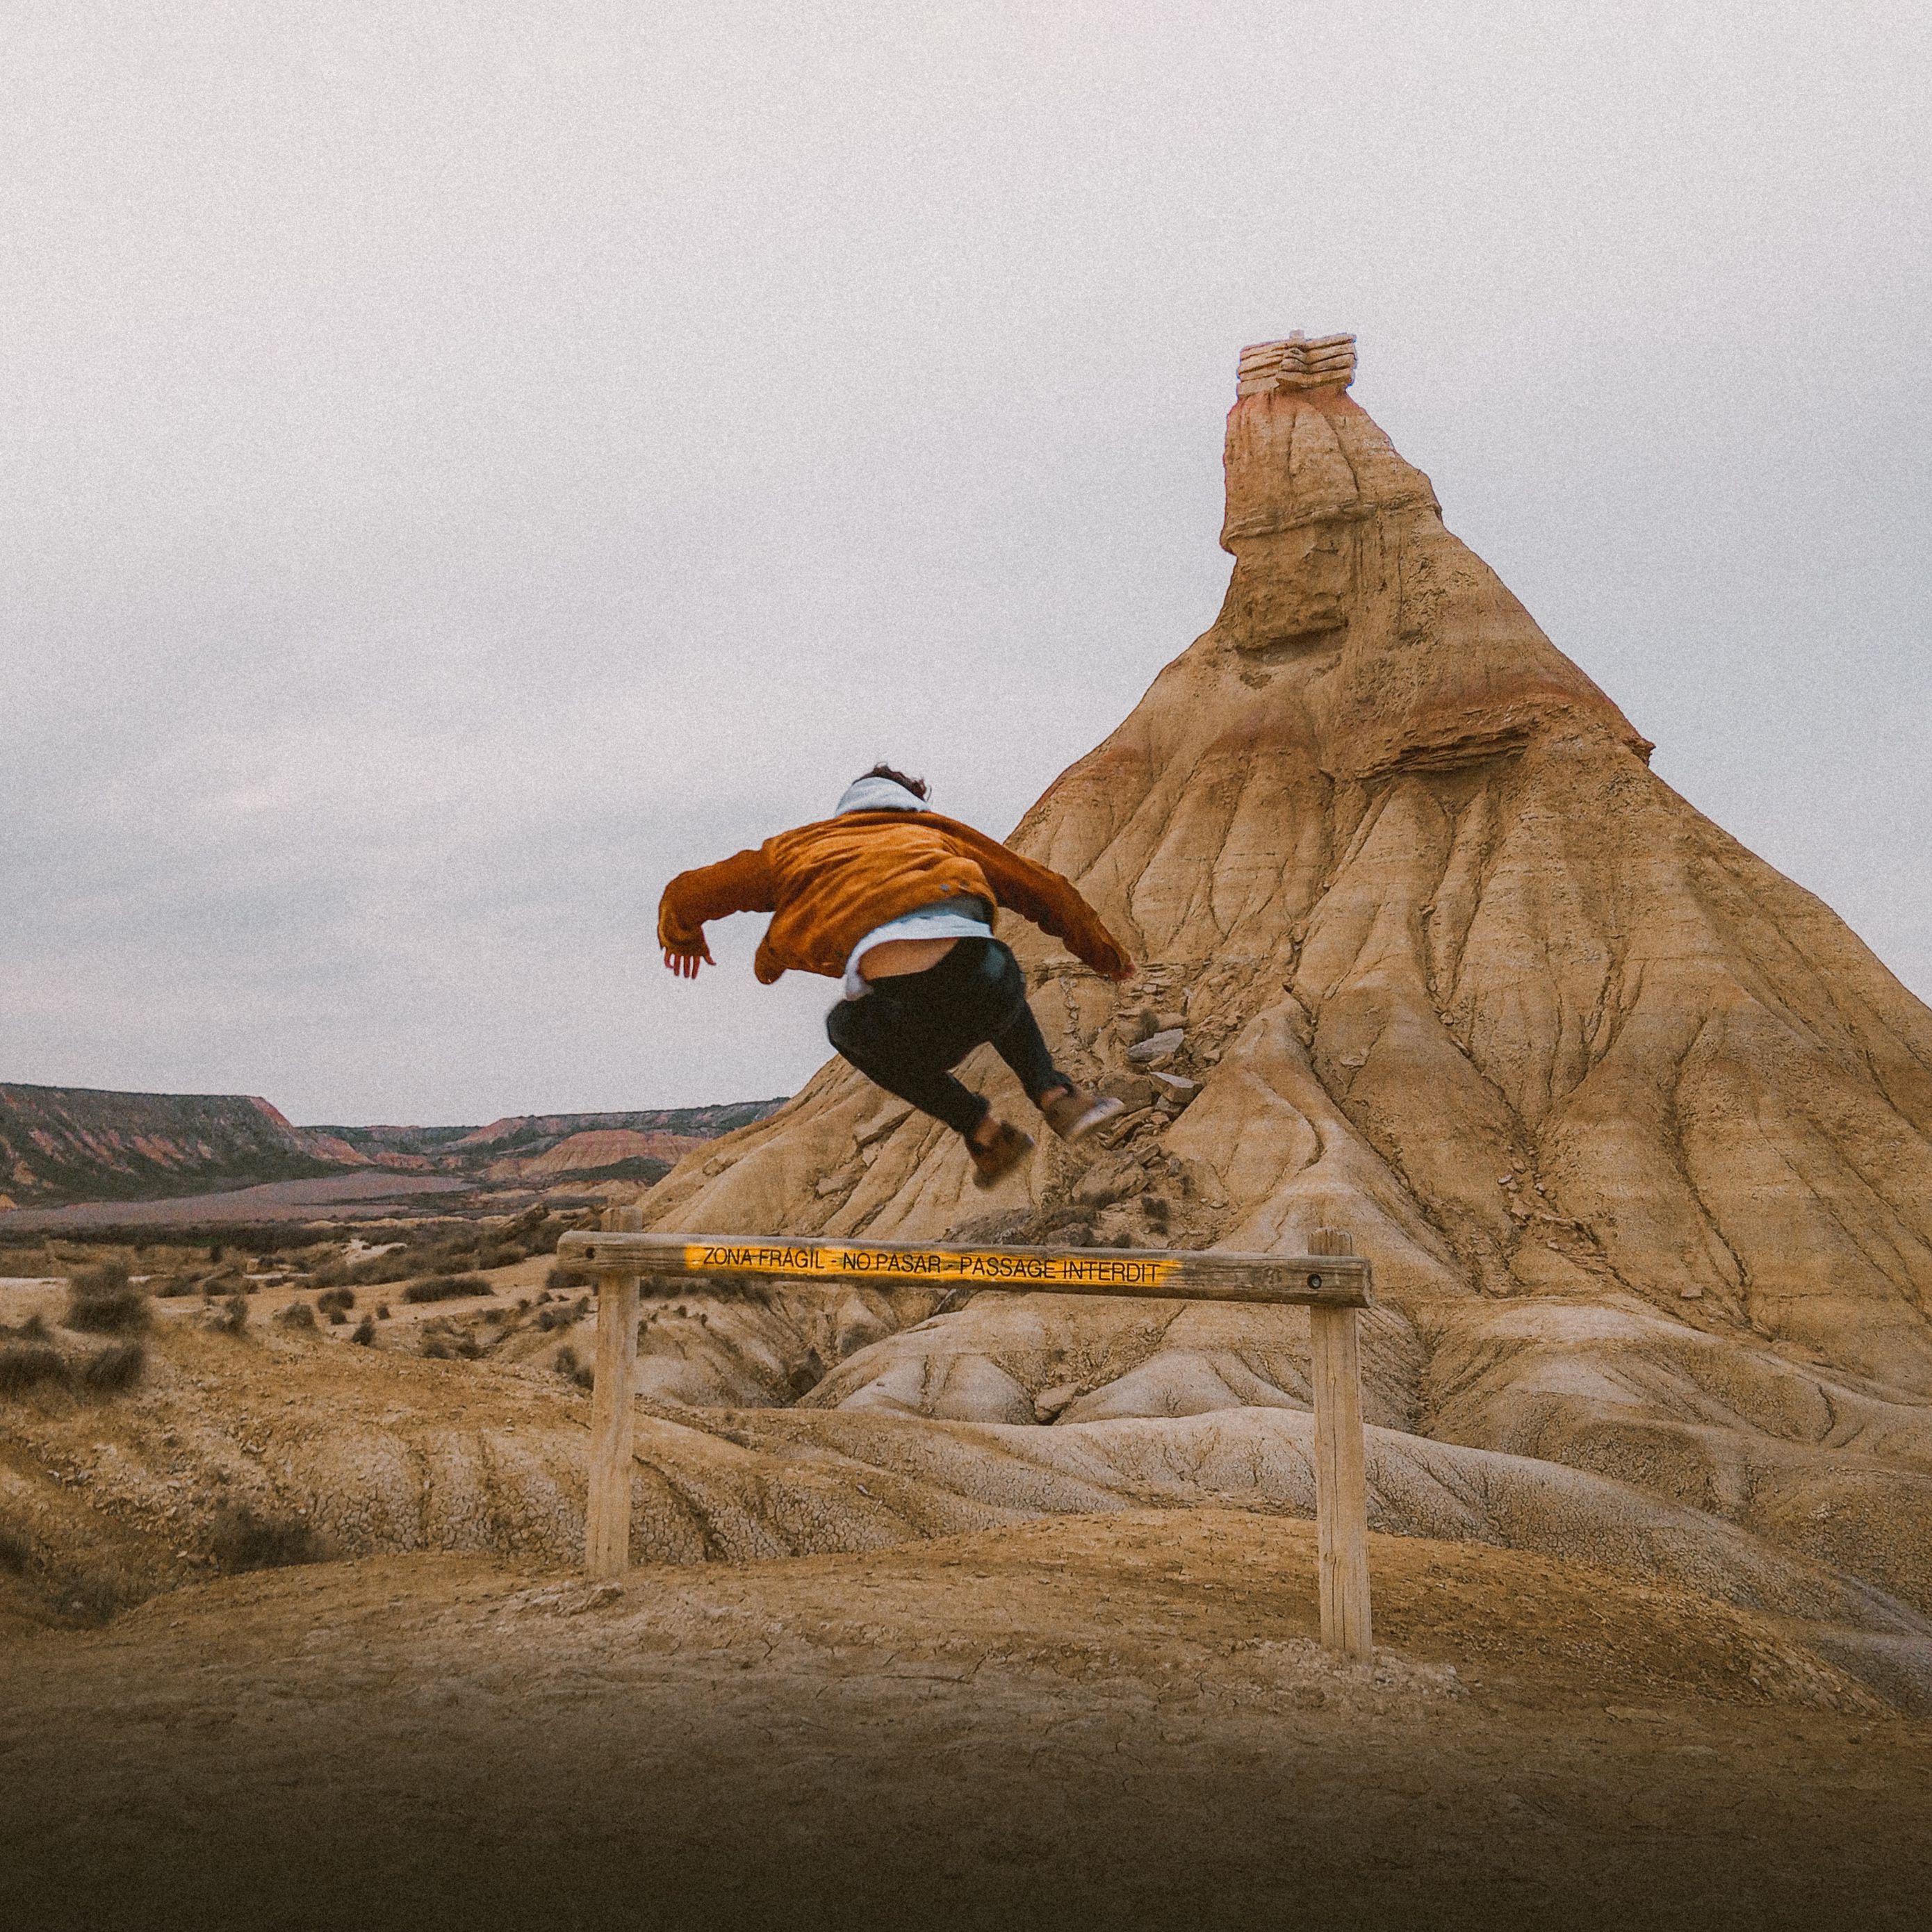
915,786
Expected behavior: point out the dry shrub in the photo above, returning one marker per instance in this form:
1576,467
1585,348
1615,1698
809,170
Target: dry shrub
90,1600
364,1336
447,1287
239,1539
233,1318
447,1341
297,1315
114,1368
560,1277
26,1365
548,1318
16,1551
102,1300
571,1369
335,1301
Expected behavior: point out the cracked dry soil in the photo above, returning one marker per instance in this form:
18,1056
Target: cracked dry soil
1119,1721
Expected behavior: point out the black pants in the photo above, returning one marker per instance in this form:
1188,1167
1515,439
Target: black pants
908,1032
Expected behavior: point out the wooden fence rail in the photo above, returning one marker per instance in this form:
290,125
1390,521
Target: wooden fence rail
1332,1281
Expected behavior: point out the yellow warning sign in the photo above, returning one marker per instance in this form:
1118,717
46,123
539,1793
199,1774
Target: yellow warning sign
990,1265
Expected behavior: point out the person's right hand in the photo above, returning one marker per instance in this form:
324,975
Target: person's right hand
685,964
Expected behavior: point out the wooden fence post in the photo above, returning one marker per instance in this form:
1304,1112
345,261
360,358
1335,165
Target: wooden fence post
1341,1476
606,1516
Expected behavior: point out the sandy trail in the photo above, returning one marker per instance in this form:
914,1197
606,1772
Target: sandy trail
1119,1719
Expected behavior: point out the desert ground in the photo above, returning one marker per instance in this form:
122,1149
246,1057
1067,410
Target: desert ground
844,1687
1096,1720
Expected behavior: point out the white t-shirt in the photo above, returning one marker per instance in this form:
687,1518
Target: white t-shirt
967,918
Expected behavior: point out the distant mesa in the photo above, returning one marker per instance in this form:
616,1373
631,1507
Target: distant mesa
62,1144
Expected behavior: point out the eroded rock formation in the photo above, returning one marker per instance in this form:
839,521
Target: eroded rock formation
1638,1133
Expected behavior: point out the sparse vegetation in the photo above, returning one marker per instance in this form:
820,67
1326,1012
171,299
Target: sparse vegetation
299,1315
30,1361
335,1302
232,1318
447,1287
364,1336
89,1600
447,1251
115,1369
16,1551
103,1300
240,1539
571,1369
26,1365
561,1277
444,1343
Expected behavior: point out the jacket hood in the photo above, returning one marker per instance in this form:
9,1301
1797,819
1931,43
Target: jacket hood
878,794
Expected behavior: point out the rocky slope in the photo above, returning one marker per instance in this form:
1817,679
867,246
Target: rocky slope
1638,1133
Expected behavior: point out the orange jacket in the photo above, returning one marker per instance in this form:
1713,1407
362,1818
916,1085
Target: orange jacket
827,885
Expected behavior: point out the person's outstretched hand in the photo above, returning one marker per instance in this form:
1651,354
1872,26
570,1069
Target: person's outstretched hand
685,964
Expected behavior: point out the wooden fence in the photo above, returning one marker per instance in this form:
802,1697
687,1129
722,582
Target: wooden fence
1331,1281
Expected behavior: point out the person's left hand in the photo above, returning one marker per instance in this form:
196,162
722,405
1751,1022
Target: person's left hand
685,964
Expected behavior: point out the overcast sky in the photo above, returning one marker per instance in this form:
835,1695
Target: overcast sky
463,463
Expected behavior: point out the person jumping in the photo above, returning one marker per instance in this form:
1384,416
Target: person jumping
898,902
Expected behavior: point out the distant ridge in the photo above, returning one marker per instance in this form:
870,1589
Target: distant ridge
537,1133
71,1144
